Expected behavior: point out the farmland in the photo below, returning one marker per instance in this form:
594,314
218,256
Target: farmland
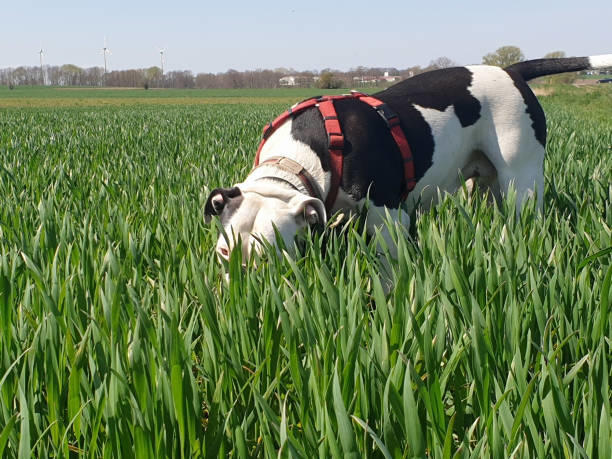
41,97
119,337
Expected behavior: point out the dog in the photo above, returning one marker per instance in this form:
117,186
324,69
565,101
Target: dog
481,124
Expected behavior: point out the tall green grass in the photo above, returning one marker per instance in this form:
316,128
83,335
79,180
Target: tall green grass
119,338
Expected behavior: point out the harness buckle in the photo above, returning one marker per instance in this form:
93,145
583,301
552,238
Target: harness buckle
390,117
267,131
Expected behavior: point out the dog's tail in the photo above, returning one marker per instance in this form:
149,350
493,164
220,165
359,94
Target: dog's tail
540,67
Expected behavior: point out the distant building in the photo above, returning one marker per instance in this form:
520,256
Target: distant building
300,81
288,81
390,79
371,80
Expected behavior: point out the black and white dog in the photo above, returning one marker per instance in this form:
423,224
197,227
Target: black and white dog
478,123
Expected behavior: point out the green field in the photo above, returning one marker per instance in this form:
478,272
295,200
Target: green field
78,92
119,337
43,97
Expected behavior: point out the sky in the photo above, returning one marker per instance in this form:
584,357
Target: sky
205,36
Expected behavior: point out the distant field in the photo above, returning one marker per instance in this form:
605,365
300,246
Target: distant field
590,102
593,100
119,337
39,97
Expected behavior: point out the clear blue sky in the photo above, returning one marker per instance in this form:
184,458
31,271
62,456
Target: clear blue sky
205,36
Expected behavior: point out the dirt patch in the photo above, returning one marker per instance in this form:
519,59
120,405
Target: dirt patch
585,82
543,91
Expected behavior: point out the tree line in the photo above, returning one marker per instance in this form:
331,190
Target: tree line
153,77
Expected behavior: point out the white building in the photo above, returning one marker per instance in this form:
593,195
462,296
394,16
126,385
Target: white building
287,81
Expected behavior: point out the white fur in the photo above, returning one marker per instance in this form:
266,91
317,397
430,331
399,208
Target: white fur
448,158
268,204
265,207
503,133
281,143
601,62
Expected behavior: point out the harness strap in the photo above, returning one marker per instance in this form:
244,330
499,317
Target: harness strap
393,123
325,104
294,168
335,140
274,125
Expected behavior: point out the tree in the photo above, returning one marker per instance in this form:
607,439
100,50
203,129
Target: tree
328,81
206,80
555,55
153,76
232,79
504,56
71,74
442,63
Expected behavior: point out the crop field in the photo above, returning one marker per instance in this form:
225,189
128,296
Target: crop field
120,338
44,97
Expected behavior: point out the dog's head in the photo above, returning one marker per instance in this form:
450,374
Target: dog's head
252,213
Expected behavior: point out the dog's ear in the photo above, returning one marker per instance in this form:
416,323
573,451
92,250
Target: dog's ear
312,210
217,200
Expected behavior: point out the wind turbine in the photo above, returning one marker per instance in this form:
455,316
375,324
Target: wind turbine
161,58
106,52
42,72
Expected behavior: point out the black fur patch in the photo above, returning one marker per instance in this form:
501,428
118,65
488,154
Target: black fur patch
418,134
540,67
372,162
308,128
438,90
227,193
534,109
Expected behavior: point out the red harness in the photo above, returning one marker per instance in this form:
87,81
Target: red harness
336,138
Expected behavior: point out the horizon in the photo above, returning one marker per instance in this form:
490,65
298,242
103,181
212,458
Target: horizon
313,37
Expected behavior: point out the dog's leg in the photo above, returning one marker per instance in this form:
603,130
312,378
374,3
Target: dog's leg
526,182
480,172
518,158
511,132
523,169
